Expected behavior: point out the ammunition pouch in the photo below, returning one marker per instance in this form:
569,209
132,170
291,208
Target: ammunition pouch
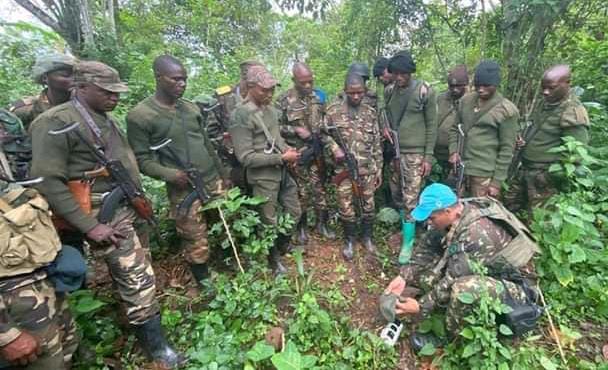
81,191
28,240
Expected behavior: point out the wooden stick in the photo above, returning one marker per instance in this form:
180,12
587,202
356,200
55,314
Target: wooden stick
553,330
236,254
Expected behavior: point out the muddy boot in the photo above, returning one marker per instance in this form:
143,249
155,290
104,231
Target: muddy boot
152,340
275,263
301,231
322,228
200,272
349,240
367,231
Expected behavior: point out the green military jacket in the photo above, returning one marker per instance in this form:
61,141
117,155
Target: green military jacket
490,133
446,118
299,111
566,118
29,108
359,131
65,157
149,123
258,152
418,125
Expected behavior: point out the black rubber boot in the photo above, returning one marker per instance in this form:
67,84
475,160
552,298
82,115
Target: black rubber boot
200,272
152,340
419,340
322,228
349,240
275,263
367,232
302,230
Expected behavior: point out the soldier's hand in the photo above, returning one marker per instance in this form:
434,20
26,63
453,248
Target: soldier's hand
519,142
396,286
103,233
387,135
427,167
409,306
302,132
339,155
181,180
24,350
493,191
291,155
454,159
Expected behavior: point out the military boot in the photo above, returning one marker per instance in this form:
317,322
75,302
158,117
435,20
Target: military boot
152,340
200,272
322,227
349,240
367,232
302,230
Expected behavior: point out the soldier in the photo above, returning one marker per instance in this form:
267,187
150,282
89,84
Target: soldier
265,156
301,119
467,233
37,330
167,116
54,72
362,70
381,73
447,105
67,161
486,134
411,110
353,137
561,115
217,112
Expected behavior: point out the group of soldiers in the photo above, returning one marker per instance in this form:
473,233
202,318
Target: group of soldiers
288,151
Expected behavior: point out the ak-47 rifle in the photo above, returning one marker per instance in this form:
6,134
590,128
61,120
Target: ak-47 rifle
459,167
527,134
125,188
351,171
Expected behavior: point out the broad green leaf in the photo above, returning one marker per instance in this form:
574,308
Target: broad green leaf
470,350
467,333
547,364
388,216
577,254
505,330
504,351
563,274
466,298
260,351
427,350
503,366
289,359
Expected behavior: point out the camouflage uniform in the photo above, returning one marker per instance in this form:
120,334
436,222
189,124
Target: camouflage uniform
533,184
16,146
441,265
29,108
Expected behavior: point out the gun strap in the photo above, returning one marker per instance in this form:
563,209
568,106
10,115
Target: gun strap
408,95
95,130
269,138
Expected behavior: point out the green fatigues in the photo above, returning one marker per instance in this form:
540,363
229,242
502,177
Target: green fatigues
533,184
65,157
148,124
490,132
16,153
265,172
304,112
441,265
446,118
417,106
29,108
359,131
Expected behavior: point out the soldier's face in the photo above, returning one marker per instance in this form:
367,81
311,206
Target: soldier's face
554,90
442,219
261,96
457,91
485,91
172,81
354,94
98,99
402,79
60,80
303,81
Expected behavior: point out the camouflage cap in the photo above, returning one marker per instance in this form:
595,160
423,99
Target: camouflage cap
244,66
100,75
260,76
388,303
51,62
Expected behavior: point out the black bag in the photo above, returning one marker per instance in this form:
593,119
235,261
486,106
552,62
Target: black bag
523,316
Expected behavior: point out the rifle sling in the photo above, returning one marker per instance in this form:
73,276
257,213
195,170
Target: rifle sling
407,96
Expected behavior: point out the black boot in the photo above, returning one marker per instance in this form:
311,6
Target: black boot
200,272
152,340
419,340
275,263
322,228
349,240
301,231
367,231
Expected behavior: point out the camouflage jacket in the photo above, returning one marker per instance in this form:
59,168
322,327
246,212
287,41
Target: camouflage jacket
359,131
299,111
29,108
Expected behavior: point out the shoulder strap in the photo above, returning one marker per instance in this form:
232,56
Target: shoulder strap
408,96
487,110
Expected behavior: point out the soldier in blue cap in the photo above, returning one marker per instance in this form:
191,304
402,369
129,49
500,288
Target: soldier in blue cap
464,232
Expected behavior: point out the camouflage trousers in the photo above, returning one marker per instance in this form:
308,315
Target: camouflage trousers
311,187
347,199
130,269
192,226
278,193
476,186
407,197
529,189
34,308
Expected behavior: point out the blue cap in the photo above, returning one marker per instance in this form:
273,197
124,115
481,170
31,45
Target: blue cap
433,198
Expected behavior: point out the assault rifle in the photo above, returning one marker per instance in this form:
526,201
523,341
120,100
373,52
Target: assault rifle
528,132
351,171
125,188
459,167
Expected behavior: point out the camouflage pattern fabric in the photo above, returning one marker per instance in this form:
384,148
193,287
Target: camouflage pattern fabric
476,186
29,108
346,198
529,189
284,193
69,335
307,112
130,269
32,306
407,196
